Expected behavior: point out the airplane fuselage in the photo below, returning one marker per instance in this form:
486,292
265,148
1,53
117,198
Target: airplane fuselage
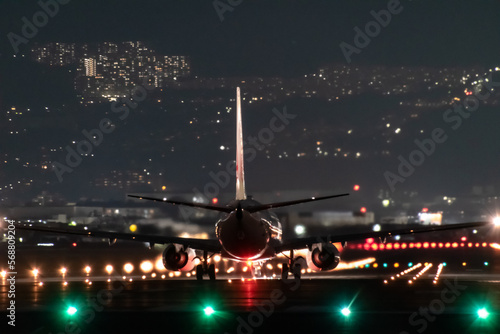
246,236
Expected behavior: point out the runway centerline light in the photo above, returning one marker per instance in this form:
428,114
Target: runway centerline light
208,310
345,312
483,313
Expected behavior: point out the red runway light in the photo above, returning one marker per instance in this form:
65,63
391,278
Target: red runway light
356,187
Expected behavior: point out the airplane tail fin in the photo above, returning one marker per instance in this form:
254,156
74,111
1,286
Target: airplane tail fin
240,171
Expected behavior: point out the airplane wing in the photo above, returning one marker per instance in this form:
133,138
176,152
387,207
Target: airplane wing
209,245
300,243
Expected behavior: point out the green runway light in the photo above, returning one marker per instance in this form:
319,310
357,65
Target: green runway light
71,310
345,311
410,264
208,310
486,263
385,265
483,313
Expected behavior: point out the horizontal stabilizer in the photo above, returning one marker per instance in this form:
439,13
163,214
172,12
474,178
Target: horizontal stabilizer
194,205
263,207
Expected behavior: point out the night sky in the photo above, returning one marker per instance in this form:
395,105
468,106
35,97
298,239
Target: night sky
274,38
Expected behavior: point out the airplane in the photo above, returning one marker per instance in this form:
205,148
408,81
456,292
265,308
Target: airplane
249,231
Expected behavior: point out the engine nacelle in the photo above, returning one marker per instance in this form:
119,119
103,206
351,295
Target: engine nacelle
323,257
175,257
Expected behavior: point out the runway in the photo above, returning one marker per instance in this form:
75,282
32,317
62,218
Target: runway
118,305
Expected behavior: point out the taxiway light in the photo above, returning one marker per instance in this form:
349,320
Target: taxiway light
71,310
208,310
483,313
345,312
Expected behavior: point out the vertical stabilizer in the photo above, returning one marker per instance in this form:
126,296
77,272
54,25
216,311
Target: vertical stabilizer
240,171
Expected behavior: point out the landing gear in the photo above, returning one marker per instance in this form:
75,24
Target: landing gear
284,271
294,266
211,272
199,272
204,268
296,270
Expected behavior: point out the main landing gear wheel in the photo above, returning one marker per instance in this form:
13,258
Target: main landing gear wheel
297,270
199,272
211,272
284,271
204,268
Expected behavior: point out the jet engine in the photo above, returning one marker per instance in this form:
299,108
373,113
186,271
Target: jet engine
324,256
175,257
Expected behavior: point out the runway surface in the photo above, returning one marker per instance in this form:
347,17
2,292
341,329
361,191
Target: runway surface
114,304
